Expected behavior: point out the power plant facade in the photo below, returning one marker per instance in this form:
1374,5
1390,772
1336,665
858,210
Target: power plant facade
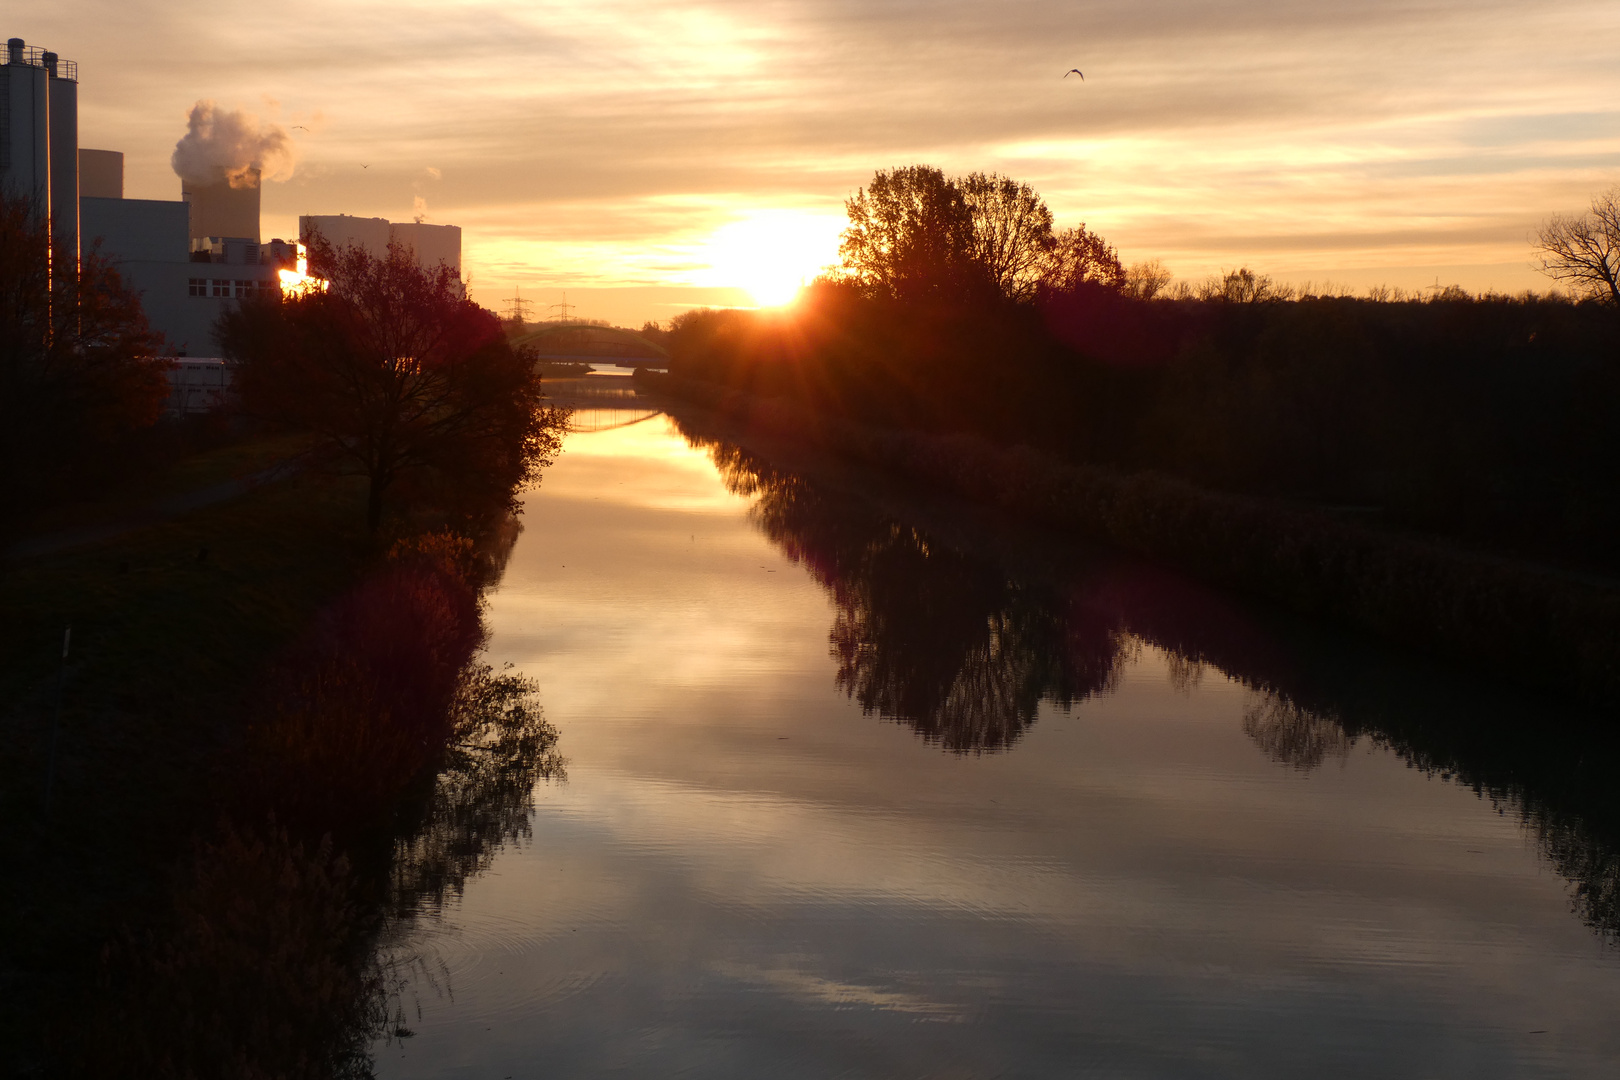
189,259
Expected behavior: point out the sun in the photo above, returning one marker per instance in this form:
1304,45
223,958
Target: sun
772,254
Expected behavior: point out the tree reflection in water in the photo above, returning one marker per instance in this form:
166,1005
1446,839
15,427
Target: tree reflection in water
482,795
943,637
1292,735
926,634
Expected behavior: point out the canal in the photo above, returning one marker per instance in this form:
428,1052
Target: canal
860,784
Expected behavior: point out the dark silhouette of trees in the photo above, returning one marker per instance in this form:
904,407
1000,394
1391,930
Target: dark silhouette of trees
1146,280
1078,257
1011,230
77,375
916,234
1583,251
401,375
910,235
383,767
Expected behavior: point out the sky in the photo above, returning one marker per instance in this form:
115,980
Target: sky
646,157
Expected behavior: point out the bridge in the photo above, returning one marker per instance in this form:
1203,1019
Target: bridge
571,342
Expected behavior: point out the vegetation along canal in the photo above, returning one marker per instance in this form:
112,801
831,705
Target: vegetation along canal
863,785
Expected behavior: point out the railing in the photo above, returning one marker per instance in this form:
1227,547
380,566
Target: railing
34,56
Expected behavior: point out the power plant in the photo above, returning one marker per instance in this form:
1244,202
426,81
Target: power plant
191,258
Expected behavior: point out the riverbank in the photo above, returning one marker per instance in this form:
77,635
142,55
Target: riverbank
1535,625
170,624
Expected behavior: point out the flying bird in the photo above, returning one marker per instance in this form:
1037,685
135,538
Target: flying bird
299,127
1075,71
365,166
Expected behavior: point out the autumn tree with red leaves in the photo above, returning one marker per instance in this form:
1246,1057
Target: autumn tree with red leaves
400,375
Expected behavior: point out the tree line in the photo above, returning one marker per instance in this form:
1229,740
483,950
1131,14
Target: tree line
958,307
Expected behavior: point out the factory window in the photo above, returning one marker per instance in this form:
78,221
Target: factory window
222,287
244,288
198,286
268,286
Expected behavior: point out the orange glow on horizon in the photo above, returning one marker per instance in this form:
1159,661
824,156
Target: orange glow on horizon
772,254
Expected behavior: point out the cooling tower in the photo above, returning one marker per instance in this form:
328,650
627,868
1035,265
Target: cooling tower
218,209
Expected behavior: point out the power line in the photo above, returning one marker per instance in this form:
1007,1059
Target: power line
518,309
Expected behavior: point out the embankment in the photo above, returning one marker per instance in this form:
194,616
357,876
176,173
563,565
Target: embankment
1531,624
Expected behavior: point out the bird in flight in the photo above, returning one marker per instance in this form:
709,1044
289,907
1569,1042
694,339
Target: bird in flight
299,127
1075,71
365,166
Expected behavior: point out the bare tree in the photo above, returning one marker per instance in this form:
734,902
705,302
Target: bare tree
1244,286
1012,231
1584,250
1078,257
1145,280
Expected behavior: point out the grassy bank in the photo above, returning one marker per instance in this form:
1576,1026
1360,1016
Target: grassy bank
170,623
1538,626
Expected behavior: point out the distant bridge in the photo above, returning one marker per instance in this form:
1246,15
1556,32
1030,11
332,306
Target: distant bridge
582,343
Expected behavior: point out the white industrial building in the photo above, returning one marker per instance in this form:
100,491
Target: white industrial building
432,245
188,259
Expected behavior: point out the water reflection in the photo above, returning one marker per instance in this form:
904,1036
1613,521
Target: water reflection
482,795
961,638
928,635
386,767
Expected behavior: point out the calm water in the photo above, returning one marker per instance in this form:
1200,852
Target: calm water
863,788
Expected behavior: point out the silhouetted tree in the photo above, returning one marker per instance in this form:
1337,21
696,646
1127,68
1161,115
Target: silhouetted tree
400,374
77,373
1079,257
1584,251
917,234
1145,280
910,234
1012,233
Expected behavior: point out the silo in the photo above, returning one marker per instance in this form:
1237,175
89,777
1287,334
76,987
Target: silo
25,126
63,78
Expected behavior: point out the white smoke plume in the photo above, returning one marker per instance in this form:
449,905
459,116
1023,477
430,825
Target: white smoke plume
231,146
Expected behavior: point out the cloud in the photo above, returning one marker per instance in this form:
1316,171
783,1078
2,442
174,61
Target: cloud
231,146
1207,133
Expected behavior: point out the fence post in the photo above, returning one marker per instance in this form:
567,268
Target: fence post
56,720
